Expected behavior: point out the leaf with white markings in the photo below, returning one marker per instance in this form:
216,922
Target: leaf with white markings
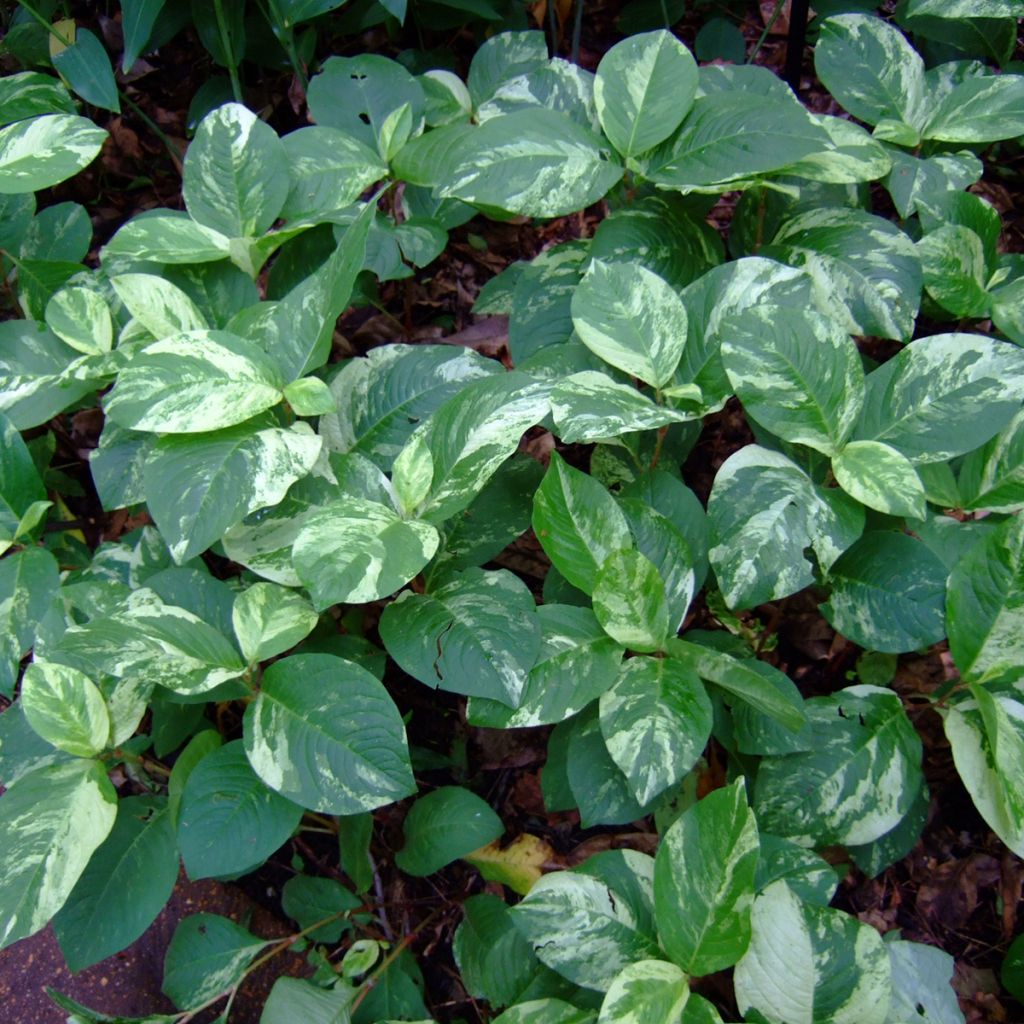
630,602
42,151
992,477
29,580
881,478
65,707
325,733
270,620
645,992
160,306
812,963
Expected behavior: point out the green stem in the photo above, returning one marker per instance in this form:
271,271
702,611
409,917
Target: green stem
229,53
577,31
47,25
172,150
770,24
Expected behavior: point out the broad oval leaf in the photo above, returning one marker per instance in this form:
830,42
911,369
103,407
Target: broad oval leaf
855,782
881,478
65,707
812,963
270,620
42,151
235,178
230,822
656,721
37,815
644,88
630,602
192,382
888,593
29,580
631,318
325,733
992,477
81,318
534,162
985,605
159,305
704,882
352,551
646,992
477,634
444,825
581,929
979,109
797,373
124,887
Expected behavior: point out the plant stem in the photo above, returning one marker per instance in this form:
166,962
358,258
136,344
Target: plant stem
769,25
49,26
577,30
229,53
172,150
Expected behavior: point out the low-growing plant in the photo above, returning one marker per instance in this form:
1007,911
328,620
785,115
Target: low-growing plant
284,492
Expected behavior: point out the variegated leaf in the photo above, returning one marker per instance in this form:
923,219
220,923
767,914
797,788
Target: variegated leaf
167,236
808,963
922,984
270,620
631,318
582,929
577,662
478,634
352,551
992,477
979,109
325,733
65,707
645,992
881,478
192,382
38,152
236,173
986,735
160,306
857,780
197,486
985,605
852,156
645,86
866,272
37,814
80,317
943,396
534,162
796,372
656,721
556,85
630,602
762,513
955,271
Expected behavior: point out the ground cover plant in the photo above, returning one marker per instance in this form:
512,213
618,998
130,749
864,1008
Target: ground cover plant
761,394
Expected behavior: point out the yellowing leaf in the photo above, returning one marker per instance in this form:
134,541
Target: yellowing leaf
517,865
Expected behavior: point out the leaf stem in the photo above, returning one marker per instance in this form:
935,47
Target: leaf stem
229,53
49,26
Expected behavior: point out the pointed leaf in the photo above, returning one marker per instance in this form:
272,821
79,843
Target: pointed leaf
629,601
881,478
65,707
42,151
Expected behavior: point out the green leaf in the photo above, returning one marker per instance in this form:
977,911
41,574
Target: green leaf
914,182
293,999
581,929
384,396
985,605
871,69
656,721
629,601
852,155
230,822
325,733
202,744
577,523
270,620
43,151
644,88
192,382
797,373
477,634
979,109
20,484
645,992
881,478
235,179
763,512
208,954
955,272
160,306
857,779
167,237
197,486
308,900
444,825
555,85
329,170
65,707
888,593
922,984
704,882
866,272
811,877
124,887
137,20
81,319
992,476
503,57
546,1011
29,581
577,662
534,162
812,963
631,318
943,396
1011,973
309,396
86,68
590,406
28,94
352,551
37,815
757,684
729,136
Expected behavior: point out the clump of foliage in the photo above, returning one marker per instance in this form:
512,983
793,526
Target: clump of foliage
283,491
